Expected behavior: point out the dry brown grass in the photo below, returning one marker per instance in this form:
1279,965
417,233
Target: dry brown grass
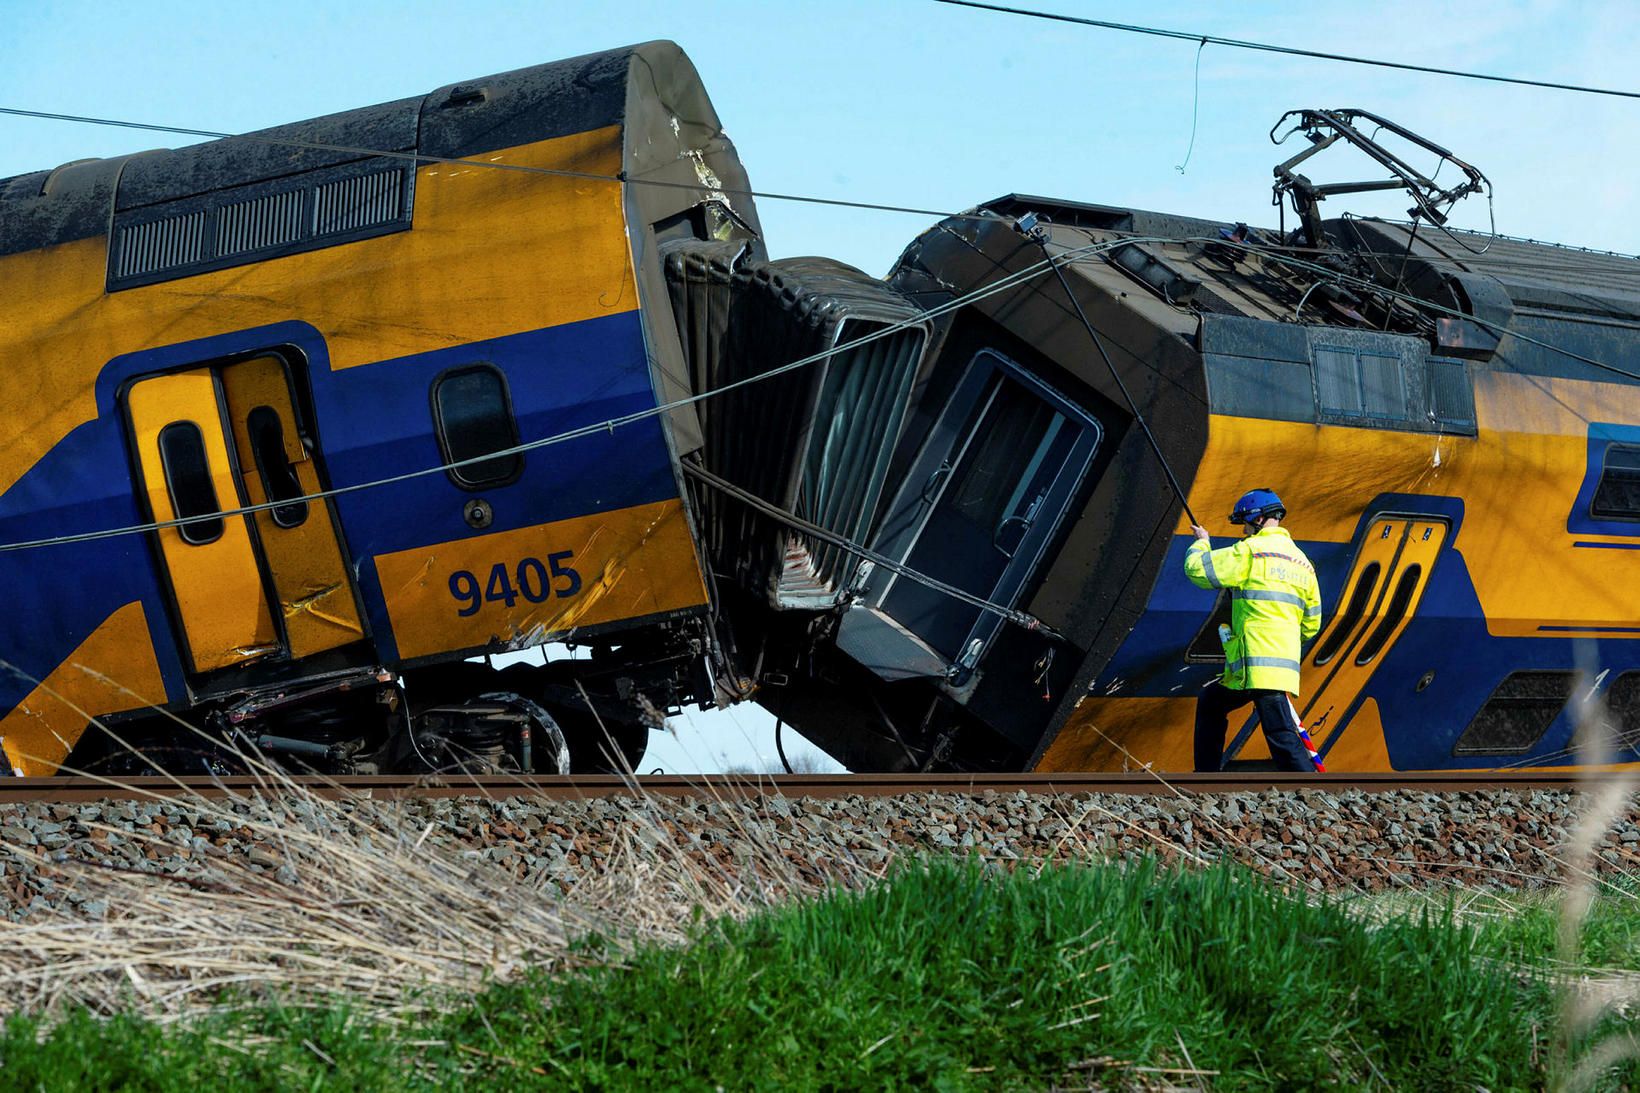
362,904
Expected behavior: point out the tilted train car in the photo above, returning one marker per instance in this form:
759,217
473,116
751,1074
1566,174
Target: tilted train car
1452,420
302,423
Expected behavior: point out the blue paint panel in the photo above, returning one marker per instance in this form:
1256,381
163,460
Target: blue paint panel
1602,434
375,422
1151,664
57,596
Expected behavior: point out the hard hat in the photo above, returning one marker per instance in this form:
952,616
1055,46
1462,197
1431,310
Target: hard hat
1256,505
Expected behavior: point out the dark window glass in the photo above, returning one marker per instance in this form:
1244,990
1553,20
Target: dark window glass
1360,596
1618,495
1404,588
1623,703
1517,715
1207,648
279,481
474,418
188,481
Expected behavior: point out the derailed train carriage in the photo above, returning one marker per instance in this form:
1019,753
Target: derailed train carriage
306,422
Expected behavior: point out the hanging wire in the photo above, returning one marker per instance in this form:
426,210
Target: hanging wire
1195,108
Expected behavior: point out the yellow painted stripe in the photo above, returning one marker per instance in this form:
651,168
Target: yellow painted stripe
1115,734
114,669
627,564
491,253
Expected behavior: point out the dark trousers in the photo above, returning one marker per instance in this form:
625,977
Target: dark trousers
1276,717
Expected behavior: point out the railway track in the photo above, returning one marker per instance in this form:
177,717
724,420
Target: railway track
70,789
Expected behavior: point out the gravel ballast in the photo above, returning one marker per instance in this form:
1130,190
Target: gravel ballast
1347,840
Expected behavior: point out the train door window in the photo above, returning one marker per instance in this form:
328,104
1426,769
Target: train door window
188,481
279,482
1360,596
1404,588
473,414
1618,495
1517,715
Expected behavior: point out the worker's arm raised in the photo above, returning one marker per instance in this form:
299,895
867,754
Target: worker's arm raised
1227,567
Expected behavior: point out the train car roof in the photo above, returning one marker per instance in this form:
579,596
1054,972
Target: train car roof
1499,273
78,200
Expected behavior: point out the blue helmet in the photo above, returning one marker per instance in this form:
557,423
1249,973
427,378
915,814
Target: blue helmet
1256,505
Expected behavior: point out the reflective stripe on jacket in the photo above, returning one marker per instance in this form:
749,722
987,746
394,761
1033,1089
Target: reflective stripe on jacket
1274,605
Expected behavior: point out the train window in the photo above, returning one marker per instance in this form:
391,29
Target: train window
1618,495
188,481
279,481
1517,715
1206,648
1623,704
1365,585
474,417
1404,588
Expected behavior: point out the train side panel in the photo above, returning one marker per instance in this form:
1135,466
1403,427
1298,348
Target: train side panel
1473,562
509,281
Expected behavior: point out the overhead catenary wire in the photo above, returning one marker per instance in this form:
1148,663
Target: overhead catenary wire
1291,51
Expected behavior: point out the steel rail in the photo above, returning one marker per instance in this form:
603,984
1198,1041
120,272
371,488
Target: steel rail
70,789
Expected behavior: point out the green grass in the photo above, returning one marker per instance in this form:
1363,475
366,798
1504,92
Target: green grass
950,976
1525,928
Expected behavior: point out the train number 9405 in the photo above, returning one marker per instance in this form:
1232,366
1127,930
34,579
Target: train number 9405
533,579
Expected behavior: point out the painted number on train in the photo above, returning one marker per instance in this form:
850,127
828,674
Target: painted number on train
532,579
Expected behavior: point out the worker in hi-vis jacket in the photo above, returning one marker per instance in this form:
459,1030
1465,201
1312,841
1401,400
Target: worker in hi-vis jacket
1275,605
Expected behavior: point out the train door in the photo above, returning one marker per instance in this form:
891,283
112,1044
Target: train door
1386,582
218,438
980,505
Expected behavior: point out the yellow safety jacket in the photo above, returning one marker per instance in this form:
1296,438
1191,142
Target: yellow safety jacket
1274,606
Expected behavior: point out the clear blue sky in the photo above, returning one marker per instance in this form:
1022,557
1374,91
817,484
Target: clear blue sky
903,102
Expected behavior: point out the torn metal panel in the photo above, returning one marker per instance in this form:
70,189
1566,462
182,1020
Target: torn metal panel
815,441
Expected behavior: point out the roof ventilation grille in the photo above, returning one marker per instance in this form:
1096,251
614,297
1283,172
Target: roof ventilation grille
253,223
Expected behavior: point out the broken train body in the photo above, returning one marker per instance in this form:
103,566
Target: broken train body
375,416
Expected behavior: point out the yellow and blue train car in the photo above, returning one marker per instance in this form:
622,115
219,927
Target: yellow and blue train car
353,327
1452,420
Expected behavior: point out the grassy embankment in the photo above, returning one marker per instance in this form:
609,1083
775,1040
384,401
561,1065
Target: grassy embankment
949,976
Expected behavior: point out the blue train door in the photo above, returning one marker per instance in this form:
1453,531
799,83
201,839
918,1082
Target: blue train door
977,511
243,587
